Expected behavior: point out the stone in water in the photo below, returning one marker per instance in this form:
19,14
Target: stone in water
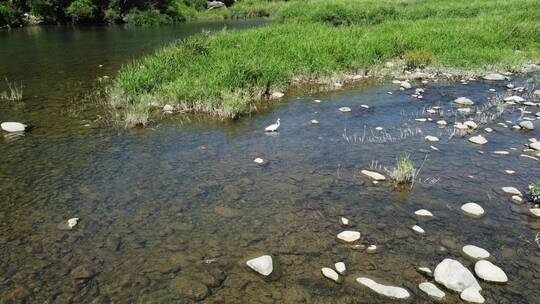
389,291
489,272
349,236
475,252
473,209
262,265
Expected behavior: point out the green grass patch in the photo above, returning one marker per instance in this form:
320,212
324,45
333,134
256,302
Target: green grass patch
225,73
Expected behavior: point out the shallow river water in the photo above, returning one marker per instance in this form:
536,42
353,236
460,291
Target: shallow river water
171,213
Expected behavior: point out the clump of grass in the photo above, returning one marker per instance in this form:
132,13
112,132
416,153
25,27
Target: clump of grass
404,171
417,59
136,115
226,73
14,92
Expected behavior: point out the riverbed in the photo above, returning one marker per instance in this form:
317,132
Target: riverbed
171,212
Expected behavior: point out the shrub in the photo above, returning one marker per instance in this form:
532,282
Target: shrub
404,171
147,18
81,9
8,15
534,188
417,59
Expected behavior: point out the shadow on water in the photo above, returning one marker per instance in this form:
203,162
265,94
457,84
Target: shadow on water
172,212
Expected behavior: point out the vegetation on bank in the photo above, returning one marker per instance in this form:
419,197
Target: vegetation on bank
140,12
225,73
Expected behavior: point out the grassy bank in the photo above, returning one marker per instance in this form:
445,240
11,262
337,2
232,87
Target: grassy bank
225,73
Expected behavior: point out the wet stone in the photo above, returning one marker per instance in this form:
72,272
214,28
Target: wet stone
189,288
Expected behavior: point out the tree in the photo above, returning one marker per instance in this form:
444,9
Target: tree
81,10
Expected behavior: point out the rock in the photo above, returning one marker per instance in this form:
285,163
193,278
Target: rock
330,274
509,171
418,229
340,267
364,106
374,175
425,270
82,273
168,108
454,276
514,99
489,272
517,199
13,126
345,109
472,295
371,249
421,119
434,148
431,290
527,125
72,222
478,139
389,291
349,236
511,190
463,101
494,77
215,4
314,121
535,211
501,152
441,123
258,160
262,265
379,129
471,124
475,252
473,209
277,95
431,138
489,130
345,221
189,288
464,110
405,85
423,212
535,145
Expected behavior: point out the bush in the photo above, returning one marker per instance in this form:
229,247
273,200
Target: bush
112,15
81,9
417,59
404,171
147,18
8,15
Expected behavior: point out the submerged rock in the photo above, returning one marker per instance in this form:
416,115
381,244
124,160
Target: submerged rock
489,272
472,209
330,274
454,276
475,252
13,127
374,175
431,290
349,236
262,265
472,295
463,101
388,291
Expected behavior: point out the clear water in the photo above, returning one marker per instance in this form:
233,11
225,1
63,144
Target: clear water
170,213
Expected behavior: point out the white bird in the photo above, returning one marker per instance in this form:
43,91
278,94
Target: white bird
72,222
273,127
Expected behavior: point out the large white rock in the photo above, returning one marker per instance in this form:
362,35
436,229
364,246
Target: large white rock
495,77
511,190
472,295
527,125
489,272
168,108
423,212
374,175
473,209
418,229
431,290
478,139
464,101
340,267
262,265
349,236
345,109
330,274
535,211
535,145
13,126
454,276
475,252
389,291
514,99
471,124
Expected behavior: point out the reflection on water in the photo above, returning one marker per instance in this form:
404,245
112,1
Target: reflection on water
171,213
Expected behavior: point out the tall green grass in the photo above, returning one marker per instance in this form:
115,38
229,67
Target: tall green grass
225,73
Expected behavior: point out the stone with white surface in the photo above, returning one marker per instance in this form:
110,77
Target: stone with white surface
330,274
454,276
349,236
472,295
385,290
340,267
463,101
475,252
13,126
473,209
490,272
423,213
478,139
432,290
511,190
373,175
262,265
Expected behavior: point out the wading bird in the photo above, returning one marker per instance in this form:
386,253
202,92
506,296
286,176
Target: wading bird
273,127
